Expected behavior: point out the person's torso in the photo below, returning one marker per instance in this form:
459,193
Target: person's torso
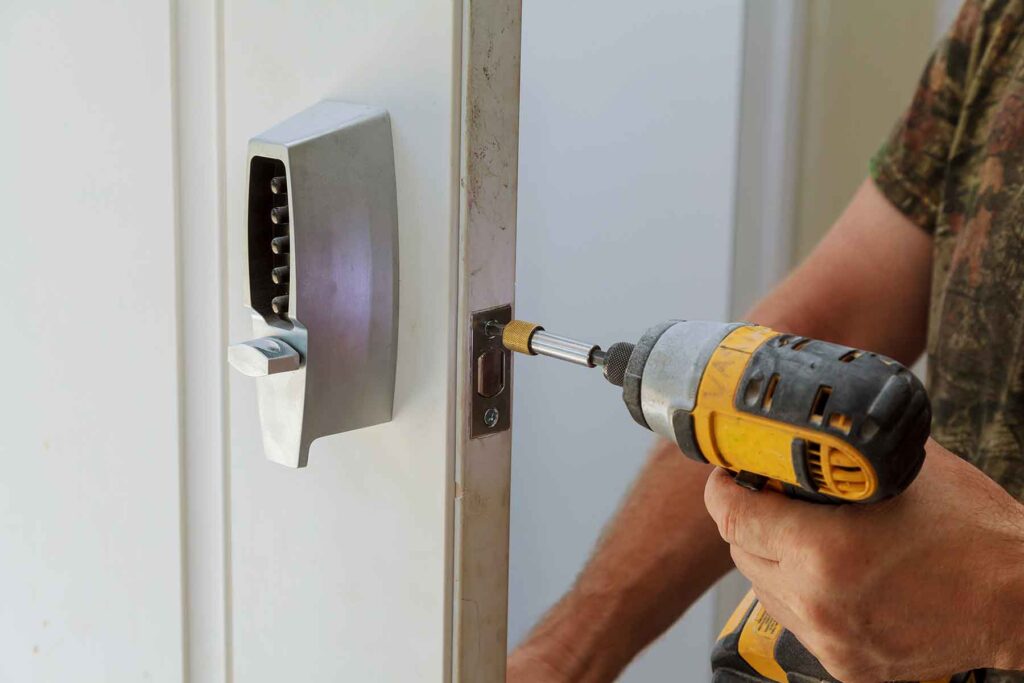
976,322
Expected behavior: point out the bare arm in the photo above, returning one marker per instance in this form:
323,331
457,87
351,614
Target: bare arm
865,285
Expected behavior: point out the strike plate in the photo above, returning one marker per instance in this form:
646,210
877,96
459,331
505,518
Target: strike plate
491,389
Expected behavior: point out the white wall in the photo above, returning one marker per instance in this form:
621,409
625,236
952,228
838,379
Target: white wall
626,190
90,516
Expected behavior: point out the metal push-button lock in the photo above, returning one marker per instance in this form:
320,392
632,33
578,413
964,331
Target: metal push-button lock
322,227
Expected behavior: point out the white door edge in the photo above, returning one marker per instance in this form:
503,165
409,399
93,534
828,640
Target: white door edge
487,227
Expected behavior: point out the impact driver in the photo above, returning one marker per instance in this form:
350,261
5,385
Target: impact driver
810,419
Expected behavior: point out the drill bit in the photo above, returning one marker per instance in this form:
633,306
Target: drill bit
533,340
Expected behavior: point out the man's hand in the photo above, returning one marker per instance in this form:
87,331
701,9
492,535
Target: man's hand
924,585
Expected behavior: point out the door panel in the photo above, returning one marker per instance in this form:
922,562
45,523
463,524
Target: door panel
341,571
90,546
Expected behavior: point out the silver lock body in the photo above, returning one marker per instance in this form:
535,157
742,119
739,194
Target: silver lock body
324,295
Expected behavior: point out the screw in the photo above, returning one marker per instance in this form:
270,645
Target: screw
492,328
491,417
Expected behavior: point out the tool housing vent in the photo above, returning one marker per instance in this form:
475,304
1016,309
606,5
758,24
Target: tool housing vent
834,473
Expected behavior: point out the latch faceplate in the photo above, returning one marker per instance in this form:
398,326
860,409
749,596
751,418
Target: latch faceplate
491,402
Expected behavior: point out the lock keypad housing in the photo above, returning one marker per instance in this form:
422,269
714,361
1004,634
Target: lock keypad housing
322,276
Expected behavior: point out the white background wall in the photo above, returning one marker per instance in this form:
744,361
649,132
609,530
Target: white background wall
626,190
90,545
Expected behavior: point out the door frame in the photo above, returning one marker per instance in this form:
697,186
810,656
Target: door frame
768,147
489,154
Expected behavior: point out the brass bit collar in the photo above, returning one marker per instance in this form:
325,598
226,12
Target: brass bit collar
517,335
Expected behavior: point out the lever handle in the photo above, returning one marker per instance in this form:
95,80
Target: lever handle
264,356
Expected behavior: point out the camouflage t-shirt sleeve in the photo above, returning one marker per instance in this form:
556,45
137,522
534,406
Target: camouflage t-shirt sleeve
910,166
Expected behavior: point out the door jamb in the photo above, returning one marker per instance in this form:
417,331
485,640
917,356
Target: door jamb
489,154
768,154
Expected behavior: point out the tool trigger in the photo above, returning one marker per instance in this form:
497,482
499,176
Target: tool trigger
749,480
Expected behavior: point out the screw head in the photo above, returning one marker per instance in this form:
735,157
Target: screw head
491,417
492,328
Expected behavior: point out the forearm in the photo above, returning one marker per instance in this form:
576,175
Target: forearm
658,554
1008,638
1005,574
865,285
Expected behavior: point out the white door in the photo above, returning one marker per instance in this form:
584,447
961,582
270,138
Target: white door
143,535
344,570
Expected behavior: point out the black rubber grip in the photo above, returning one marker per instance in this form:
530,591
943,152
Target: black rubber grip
869,401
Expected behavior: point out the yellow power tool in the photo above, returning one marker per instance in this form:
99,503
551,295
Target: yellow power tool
811,419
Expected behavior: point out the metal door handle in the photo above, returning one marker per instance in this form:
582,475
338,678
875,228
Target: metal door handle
264,356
